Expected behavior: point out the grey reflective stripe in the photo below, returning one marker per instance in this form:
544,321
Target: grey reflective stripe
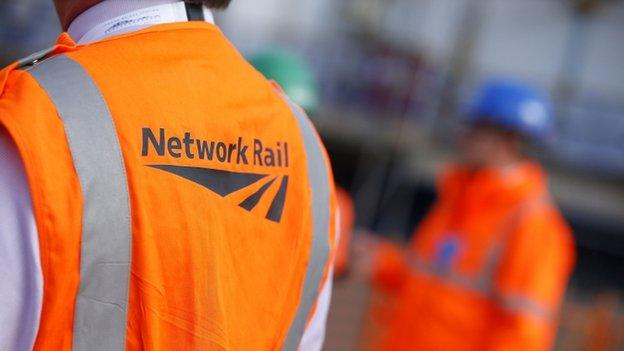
526,306
479,285
497,251
319,254
515,303
101,305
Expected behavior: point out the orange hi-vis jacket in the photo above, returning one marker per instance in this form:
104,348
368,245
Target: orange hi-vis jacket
486,270
182,203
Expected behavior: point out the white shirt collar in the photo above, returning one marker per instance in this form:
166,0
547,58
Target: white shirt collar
114,17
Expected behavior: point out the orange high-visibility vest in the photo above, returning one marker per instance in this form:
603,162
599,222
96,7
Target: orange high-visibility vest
182,203
486,270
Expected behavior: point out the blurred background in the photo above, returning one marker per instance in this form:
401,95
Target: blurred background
395,74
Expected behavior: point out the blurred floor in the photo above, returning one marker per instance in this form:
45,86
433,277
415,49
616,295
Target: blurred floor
347,314
587,324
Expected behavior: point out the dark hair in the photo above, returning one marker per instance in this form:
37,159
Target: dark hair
212,4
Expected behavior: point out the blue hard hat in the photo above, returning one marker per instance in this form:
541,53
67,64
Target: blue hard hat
514,106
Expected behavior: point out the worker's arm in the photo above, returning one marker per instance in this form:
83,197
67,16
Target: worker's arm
314,335
21,281
531,284
391,265
389,269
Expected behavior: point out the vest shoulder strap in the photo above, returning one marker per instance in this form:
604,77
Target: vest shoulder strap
505,232
100,314
28,62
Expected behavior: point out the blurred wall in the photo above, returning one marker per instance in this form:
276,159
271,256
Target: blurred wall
528,38
531,38
576,58
254,24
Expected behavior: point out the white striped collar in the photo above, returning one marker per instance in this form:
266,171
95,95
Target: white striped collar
114,17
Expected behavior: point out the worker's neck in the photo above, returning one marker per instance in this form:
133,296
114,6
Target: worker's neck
502,163
106,10
91,25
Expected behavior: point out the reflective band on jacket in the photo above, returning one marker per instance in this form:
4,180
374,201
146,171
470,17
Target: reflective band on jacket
319,254
484,283
524,305
101,305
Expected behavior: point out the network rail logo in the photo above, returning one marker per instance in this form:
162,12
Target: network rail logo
221,182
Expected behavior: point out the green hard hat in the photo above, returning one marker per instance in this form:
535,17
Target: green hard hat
292,73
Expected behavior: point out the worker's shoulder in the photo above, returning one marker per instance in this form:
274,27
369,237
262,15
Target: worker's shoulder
15,70
543,221
8,73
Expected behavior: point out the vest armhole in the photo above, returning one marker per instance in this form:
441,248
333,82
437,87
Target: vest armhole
35,192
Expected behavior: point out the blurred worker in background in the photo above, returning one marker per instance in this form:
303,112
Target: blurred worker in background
156,192
488,267
296,78
293,75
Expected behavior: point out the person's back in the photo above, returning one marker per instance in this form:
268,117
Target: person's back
229,201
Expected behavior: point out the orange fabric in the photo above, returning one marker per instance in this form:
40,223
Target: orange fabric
206,274
436,313
346,213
